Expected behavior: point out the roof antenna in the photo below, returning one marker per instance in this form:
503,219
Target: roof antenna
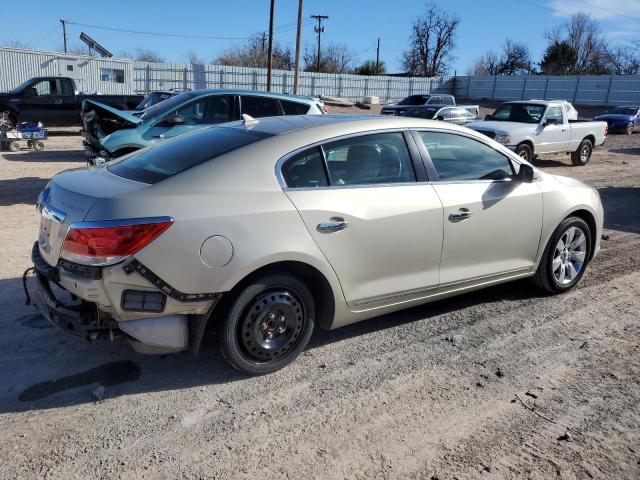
248,121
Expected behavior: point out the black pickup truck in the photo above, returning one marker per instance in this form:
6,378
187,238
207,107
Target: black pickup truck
54,101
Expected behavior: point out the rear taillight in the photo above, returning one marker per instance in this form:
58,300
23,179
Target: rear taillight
606,130
108,242
325,109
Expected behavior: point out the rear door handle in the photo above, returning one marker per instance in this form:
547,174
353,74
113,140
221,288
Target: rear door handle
460,215
334,224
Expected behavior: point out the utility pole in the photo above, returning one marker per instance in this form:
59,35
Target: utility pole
319,30
296,74
64,34
378,58
270,54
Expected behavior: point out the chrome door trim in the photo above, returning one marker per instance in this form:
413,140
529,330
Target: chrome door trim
387,299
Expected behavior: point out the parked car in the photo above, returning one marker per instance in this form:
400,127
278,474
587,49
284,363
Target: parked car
622,119
431,99
110,133
261,229
153,98
54,101
541,126
456,115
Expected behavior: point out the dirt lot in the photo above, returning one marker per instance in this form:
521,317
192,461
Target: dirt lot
429,393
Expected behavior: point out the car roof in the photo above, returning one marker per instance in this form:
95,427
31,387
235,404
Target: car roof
231,91
339,123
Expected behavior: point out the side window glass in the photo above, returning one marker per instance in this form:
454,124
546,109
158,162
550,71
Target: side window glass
65,88
45,88
370,159
445,113
193,113
260,106
447,101
457,158
305,170
294,108
555,115
217,109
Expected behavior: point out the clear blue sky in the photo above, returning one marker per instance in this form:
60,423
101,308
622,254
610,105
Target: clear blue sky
484,23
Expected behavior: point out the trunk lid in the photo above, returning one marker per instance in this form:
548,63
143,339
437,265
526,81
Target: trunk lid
100,120
67,200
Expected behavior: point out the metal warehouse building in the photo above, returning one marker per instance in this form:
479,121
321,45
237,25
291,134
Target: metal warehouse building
91,74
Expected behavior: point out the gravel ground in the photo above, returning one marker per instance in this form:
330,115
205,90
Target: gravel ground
484,385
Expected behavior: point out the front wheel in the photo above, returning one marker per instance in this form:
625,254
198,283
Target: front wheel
566,256
268,324
583,154
524,151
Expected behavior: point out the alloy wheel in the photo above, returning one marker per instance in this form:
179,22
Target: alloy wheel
629,128
569,255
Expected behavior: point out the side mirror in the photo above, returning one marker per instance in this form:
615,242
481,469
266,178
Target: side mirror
172,121
487,117
439,117
550,121
525,174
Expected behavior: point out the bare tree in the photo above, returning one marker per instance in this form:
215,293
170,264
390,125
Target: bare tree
146,55
80,49
516,58
431,42
254,54
193,58
334,58
17,43
624,60
583,35
487,64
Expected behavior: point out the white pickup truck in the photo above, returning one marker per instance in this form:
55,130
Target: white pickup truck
541,126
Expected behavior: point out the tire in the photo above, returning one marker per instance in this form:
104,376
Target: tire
268,324
629,128
583,154
38,145
8,120
14,147
554,274
524,151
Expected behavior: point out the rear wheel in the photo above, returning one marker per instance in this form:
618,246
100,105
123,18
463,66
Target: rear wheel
629,129
566,256
524,151
38,146
14,146
268,324
7,120
583,154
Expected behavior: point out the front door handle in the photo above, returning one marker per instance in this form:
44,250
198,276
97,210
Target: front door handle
460,215
335,224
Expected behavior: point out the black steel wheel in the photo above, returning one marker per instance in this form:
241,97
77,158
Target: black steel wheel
524,152
268,324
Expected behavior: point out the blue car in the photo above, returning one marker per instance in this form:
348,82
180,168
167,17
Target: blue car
110,133
622,119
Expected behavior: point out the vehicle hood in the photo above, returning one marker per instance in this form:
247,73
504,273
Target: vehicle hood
501,128
74,193
100,120
614,117
570,182
395,106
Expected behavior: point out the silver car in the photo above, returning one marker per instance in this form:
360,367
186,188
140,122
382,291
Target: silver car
264,229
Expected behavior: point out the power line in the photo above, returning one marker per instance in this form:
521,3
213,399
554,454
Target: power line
157,34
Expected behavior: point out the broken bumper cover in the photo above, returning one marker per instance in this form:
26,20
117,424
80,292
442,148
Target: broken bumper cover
74,319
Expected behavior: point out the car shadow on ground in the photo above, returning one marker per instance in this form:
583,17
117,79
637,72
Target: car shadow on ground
28,155
628,151
25,190
545,163
46,368
620,212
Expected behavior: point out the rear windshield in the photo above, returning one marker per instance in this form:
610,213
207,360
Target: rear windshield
155,164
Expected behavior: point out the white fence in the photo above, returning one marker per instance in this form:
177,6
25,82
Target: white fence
163,76
605,90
